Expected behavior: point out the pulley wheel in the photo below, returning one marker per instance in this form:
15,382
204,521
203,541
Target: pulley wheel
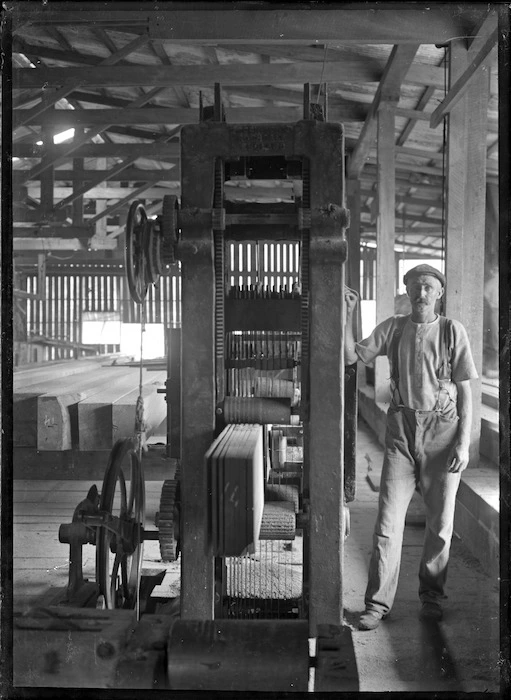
154,266
135,252
168,520
119,542
169,228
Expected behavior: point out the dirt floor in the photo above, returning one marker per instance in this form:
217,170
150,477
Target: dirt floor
459,654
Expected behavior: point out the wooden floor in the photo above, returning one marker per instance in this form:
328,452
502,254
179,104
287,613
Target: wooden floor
461,654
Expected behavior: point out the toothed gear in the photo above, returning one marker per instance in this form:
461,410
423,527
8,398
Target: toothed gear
168,520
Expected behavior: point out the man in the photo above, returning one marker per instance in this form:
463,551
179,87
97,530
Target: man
427,437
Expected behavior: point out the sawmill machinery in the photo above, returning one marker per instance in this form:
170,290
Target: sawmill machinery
255,505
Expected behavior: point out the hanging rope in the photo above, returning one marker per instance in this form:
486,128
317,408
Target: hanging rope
444,142
322,72
140,426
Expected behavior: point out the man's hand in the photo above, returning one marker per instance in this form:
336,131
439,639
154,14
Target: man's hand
458,458
351,297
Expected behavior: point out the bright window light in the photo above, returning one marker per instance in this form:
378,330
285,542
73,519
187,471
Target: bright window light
38,143
64,136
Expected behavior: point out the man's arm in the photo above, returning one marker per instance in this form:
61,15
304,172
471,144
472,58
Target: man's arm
459,456
350,356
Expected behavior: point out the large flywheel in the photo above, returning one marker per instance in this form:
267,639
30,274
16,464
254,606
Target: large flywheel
119,544
136,259
151,245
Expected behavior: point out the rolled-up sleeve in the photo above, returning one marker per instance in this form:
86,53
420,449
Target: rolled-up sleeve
462,362
376,344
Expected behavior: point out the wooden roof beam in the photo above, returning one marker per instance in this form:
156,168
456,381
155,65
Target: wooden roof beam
260,25
110,174
108,211
101,150
45,244
84,138
108,192
46,103
351,69
182,115
421,104
389,87
479,53
130,174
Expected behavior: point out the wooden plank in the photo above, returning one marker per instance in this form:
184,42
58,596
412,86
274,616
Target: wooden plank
107,416
389,87
57,419
25,398
25,404
25,375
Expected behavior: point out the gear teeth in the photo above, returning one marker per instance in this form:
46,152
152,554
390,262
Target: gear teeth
169,503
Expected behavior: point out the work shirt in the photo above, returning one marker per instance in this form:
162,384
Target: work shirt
420,360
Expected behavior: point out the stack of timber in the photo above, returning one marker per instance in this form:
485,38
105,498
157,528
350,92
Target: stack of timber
70,414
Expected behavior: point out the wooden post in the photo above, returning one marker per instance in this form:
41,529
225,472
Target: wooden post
324,145
385,234
353,267
466,191
101,204
77,183
47,177
198,394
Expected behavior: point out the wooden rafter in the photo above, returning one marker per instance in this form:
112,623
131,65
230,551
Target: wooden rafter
389,87
64,118
460,86
77,143
99,150
479,52
64,91
130,174
352,69
262,25
116,170
272,53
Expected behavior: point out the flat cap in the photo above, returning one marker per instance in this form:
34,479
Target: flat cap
424,270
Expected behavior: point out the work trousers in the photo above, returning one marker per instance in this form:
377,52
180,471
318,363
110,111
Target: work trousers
417,447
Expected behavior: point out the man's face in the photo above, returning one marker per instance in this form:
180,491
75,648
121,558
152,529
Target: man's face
424,291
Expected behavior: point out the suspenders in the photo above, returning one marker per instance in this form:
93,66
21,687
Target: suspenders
443,371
